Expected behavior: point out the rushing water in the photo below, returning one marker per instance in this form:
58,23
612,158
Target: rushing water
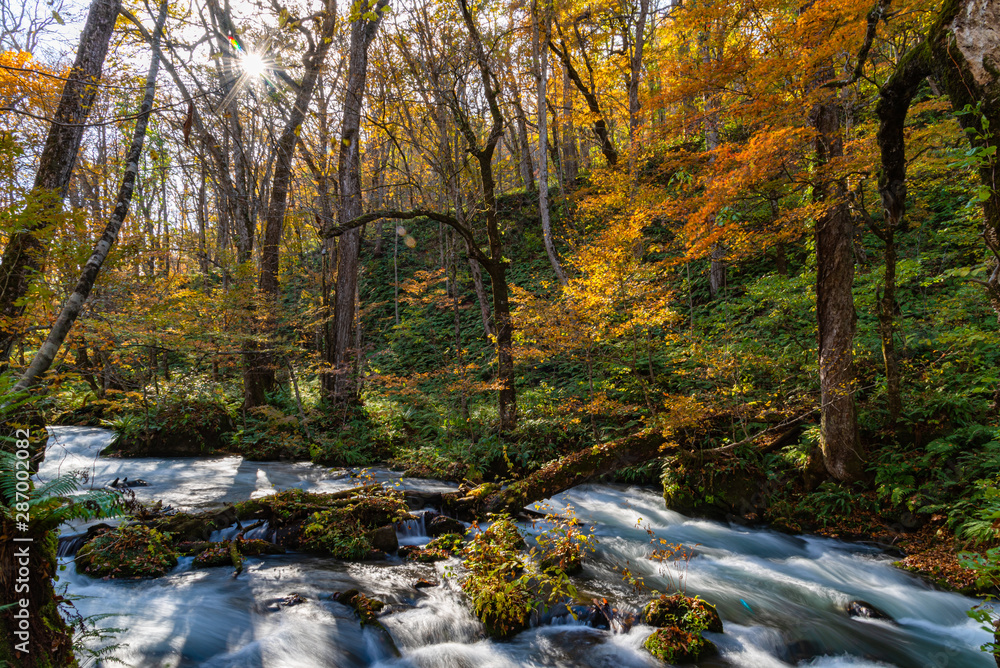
781,597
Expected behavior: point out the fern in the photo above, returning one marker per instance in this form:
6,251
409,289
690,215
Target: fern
56,501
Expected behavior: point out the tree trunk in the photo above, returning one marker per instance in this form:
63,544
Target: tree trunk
362,34
836,318
600,126
259,366
894,101
635,70
570,154
961,52
524,148
540,56
74,304
24,255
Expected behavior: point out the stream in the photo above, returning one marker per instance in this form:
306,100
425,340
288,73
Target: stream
782,598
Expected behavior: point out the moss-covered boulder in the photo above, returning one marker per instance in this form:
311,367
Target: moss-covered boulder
220,554
127,552
675,645
346,529
187,527
366,608
441,525
691,613
335,534
173,429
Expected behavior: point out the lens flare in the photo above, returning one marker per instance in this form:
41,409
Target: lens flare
253,64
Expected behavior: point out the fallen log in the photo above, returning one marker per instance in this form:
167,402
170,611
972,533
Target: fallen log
594,462
558,476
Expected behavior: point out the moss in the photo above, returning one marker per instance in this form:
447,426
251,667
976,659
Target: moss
283,507
676,645
439,549
127,552
343,532
336,535
219,554
365,608
193,526
692,614
50,637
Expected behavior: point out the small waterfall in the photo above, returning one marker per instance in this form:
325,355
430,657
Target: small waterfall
262,532
68,545
414,532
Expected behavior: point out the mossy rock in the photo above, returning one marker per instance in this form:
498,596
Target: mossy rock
442,524
332,533
219,554
431,552
685,612
330,524
675,645
346,532
181,429
449,542
366,608
194,527
127,552
290,505
501,597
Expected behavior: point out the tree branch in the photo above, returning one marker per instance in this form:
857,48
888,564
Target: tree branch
465,232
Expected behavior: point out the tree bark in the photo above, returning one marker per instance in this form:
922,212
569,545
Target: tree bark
24,255
259,367
362,33
74,304
524,148
836,319
894,102
963,55
635,70
540,56
960,51
570,154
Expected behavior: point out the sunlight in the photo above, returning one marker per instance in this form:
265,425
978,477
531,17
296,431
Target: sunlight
253,64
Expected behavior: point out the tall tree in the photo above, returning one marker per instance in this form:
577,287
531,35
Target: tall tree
494,262
539,37
74,304
351,203
24,255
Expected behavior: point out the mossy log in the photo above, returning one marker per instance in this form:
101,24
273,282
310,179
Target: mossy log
570,471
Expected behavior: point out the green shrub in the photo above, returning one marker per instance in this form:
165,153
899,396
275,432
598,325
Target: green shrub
496,581
691,614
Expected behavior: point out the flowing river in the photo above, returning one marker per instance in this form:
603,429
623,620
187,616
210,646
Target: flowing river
782,598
